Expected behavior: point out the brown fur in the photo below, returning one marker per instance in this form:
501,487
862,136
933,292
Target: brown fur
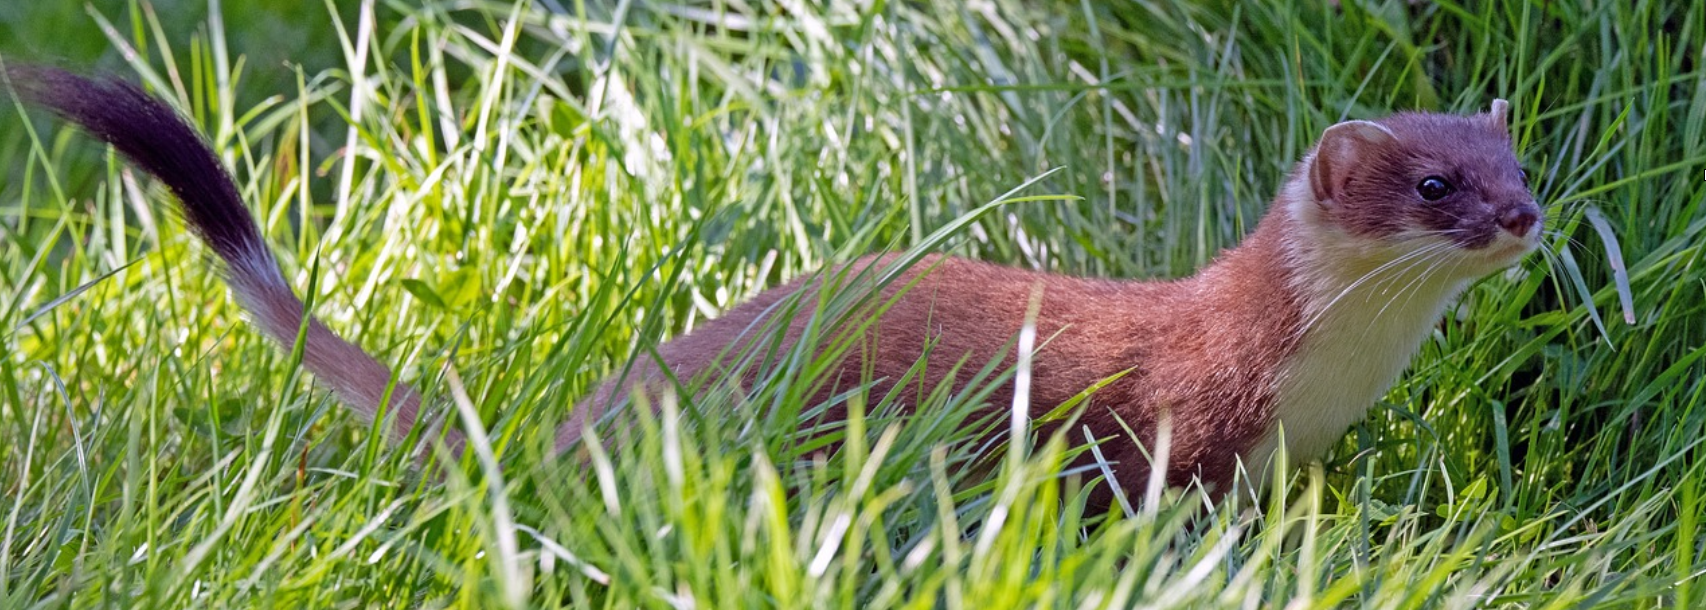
1301,326
1089,330
1207,349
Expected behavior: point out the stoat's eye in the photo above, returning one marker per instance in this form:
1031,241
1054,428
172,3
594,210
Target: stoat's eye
1524,174
1433,188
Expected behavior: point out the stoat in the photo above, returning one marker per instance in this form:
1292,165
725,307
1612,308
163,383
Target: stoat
1301,327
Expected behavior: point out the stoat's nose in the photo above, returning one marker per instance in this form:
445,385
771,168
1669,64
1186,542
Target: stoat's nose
1520,219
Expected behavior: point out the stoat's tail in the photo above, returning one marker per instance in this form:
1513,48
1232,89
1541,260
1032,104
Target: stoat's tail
156,139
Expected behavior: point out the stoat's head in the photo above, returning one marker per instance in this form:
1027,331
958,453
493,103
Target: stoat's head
1446,183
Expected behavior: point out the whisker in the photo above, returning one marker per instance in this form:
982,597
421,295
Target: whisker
1408,293
1567,238
1424,251
1414,262
1413,288
1414,234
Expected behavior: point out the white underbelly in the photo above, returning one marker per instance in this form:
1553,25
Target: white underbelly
1345,363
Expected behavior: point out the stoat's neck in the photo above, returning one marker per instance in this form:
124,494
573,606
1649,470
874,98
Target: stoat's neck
1364,308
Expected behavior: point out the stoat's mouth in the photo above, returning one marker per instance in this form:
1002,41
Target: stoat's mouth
1506,249
1518,248
1488,254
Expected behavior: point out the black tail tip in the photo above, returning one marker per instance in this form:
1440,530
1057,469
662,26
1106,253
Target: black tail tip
43,86
87,101
155,138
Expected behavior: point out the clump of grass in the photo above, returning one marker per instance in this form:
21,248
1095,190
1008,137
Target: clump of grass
511,202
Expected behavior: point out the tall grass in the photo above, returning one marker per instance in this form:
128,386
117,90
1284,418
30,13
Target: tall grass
508,202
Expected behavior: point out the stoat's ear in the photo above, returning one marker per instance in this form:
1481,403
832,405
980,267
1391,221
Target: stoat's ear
1498,113
1343,147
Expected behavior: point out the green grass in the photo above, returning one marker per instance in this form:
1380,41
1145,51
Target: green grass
507,203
